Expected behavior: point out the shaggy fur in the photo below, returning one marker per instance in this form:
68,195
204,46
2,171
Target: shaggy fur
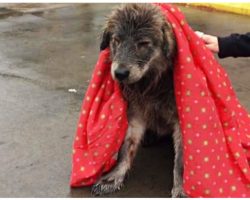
143,47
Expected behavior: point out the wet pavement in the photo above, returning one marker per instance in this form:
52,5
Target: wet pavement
43,54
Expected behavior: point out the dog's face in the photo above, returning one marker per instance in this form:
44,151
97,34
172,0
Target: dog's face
140,39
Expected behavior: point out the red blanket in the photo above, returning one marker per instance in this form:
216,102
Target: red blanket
215,126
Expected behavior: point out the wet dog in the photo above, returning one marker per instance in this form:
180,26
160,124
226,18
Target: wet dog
142,47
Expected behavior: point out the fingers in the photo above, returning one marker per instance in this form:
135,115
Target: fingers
200,34
213,47
210,41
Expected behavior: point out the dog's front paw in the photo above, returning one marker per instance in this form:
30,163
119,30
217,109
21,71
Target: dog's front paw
107,185
178,193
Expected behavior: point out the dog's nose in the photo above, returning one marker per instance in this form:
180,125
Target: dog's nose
121,73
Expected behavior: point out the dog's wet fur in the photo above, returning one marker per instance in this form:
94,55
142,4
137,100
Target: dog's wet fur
143,47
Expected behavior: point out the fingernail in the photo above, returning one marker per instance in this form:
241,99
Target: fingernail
199,33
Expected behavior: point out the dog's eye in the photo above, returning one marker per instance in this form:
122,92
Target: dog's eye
116,41
143,44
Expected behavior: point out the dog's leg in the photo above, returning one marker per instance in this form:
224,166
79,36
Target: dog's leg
113,181
177,190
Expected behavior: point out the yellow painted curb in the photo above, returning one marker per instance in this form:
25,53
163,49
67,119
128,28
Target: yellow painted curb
238,8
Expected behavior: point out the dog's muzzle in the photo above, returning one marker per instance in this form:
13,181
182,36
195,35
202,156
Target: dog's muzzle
121,74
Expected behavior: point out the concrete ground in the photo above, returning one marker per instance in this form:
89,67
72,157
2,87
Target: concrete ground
44,52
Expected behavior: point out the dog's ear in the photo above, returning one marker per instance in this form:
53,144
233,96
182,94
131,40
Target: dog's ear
105,39
169,43
165,42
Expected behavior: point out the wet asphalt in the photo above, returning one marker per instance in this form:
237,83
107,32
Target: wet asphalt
45,53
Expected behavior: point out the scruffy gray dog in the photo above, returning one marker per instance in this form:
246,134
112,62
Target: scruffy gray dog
143,47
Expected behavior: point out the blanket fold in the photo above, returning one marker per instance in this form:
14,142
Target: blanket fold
101,127
215,126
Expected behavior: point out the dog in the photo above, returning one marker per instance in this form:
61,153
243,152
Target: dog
142,47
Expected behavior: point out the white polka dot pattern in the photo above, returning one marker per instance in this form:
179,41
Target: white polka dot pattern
215,126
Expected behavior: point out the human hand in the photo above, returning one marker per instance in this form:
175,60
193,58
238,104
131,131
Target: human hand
210,41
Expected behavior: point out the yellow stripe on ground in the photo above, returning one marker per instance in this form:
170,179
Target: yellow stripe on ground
238,8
